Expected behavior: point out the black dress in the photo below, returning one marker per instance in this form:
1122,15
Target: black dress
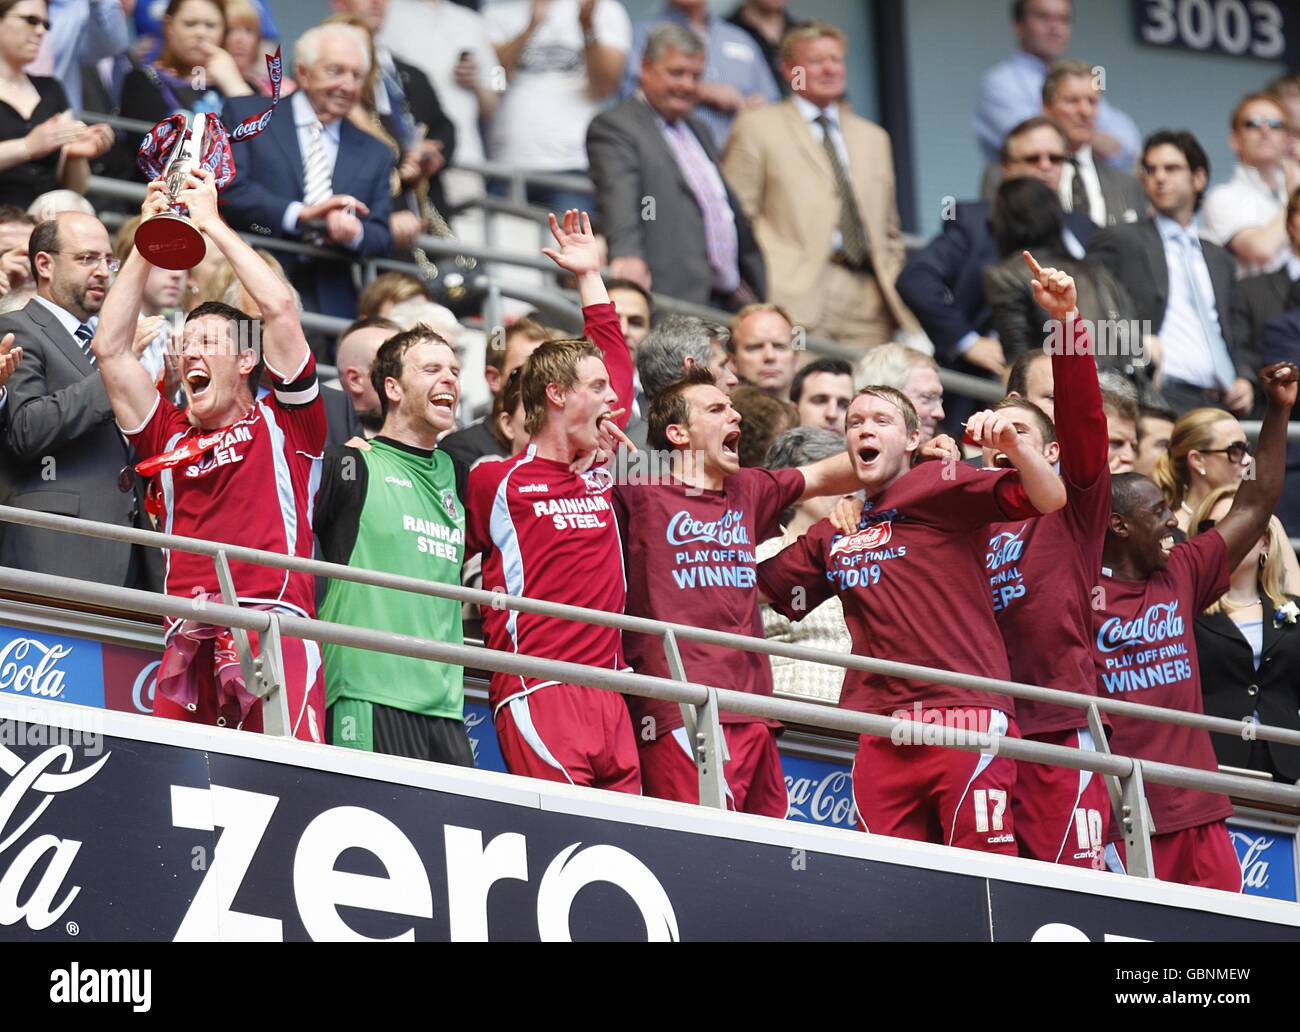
23,183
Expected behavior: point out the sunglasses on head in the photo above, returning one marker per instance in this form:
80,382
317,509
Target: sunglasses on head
1236,451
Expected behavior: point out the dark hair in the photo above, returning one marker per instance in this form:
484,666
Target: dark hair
1027,126
761,416
627,284
669,407
1027,215
12,213
1018,378
527,326
389,358
1125,490
507,400
370,322
175,5
44,239
834,366
245,328
1188,146
1021,8
1155,412
1122,405
1044,421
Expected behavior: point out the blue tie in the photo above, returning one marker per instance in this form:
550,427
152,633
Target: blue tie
84,334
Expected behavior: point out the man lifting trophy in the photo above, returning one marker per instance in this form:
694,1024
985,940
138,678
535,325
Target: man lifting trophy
172,150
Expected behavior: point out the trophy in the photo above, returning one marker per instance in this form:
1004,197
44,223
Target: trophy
172,150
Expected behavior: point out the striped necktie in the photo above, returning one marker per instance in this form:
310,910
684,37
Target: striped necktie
1079,199
84,334
853,235
316,170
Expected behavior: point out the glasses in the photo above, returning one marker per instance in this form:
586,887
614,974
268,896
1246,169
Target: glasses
933,398
89,260
1263,123
1038,159
33,21
1236,451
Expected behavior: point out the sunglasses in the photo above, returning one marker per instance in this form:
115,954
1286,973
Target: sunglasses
34,21
1236,451
1037,159
1263,123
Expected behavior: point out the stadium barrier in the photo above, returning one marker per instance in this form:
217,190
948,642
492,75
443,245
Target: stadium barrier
700,704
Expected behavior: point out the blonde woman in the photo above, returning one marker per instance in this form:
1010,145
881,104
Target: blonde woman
1248,644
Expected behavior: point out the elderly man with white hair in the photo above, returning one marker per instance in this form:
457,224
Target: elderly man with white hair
914,373
313,175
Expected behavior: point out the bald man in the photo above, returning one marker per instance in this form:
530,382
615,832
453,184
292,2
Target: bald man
357,349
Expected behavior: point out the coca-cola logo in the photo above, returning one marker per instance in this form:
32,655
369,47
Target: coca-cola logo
1159,623
1004,548
146,682
27,665
827,800
875,536
726,532
1254,868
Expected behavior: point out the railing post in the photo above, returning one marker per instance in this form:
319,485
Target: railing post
1135,822
263,673
240,636
1113,787
704,730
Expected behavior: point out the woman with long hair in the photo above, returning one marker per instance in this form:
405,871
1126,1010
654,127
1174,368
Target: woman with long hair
1248,644
41,144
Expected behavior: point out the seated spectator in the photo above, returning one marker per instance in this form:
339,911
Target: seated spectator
823,209
1248,645
1155,426
1247,214
561,60
1257,299
40,142
1287,90
824,627
192,73
388,289
15,232
351,196
822,391
679,342
356,353
767,22
736,76
696,243
763,419
1027,217
243,42
914,373
416,310
762,348
1012,90
1207,449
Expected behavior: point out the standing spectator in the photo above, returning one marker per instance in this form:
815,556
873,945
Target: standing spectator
64,452
81,33
824,627
913,373
1155,427
635,310
1207,449
15,233
672,223
762,348
735,76
822,391
1248,644
1247,214
679,342
1031,378
1145,647
357,348
40,142
1012,90
1180,282
763,419
767,22
562,58
1280,341
824,210
290,175
449,44
1119,402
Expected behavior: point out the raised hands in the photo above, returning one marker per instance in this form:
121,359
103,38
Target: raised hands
10,356
199,195
1279,384
578,252
1053,290
989,429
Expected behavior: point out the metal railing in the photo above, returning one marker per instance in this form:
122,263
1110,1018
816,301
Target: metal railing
700,704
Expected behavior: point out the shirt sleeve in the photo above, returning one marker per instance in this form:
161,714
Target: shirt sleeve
483,481
795,578
964,497
339,500
1223,217
301,408
600,324
770,493
1200,566
152,437
1080,421
612,25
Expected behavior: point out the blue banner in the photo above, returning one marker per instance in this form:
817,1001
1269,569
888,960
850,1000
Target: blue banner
1267,860
50,666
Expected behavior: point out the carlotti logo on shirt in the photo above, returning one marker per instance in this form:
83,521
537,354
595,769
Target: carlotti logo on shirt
875,536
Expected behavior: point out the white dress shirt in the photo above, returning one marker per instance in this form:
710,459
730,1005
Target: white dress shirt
1187,354
1091,185
304,115
1246,201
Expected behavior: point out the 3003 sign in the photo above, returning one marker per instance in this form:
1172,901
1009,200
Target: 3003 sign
1243,28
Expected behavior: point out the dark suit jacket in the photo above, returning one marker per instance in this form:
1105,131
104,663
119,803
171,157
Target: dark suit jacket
1257,299
1135,255
1125,200
1233,688
64,453
341,422
269,175
630,162
1279,341
943,283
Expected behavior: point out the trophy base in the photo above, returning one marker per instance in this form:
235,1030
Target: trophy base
170,241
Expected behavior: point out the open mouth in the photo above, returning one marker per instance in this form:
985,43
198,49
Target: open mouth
198,381
868,454
731,445
1167,544
1001,461
444,400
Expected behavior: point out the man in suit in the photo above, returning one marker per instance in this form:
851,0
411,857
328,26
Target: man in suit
818,183
1257,299
65,454
943,283
672,223
1181,285
291,175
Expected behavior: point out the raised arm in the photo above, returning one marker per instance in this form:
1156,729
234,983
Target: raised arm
830,476
285,346
1258,495
1039,481
131,390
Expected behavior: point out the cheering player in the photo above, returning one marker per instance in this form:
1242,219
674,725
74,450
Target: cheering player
914,590
231,469
1144,648
394,504
548,532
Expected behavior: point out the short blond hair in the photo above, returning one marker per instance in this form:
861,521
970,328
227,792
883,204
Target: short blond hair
753,309
809,31
555,362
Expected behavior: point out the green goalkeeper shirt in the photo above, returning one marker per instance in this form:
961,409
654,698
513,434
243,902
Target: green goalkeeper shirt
394,509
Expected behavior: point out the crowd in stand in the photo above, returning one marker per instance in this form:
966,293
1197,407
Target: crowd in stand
1107,528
